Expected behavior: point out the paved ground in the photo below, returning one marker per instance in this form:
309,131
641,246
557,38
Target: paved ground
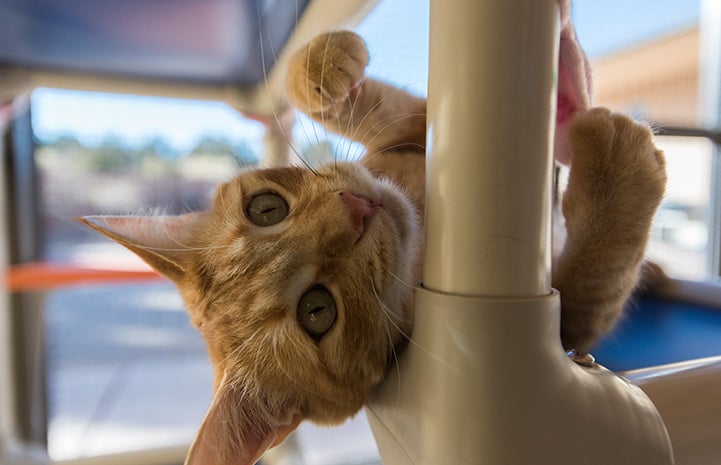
127,371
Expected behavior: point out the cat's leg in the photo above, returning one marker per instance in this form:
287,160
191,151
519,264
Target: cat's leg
326,80
616,182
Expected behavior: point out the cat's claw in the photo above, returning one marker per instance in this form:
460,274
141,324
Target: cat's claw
327,71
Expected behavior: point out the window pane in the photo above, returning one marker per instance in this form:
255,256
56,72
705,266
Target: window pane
647,60
655,80
680,235
645,57
126,370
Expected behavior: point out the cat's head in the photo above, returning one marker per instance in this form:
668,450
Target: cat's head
299,282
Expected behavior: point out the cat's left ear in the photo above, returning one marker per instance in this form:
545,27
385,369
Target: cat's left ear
164,242
574,83
237,430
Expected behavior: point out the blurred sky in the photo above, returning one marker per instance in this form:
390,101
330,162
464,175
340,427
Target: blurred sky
397,36
608,25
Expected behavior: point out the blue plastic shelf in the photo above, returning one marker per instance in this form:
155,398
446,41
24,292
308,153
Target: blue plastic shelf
658,332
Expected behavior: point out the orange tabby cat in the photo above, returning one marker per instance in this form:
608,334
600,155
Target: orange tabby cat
301,281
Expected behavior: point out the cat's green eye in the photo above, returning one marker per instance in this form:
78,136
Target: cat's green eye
267,209
317,311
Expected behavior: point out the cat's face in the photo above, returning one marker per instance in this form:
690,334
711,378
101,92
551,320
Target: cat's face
299,283
314,291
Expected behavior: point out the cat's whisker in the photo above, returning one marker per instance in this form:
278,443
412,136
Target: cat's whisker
388,314
228,215
288,137
370,112
232,355
396,365
399,279
400,182
420,147
379,127
306,131
170,238
346,143
303,129
177,249
322,87
297,347
349,129
357,147
391,343
374,107
308,94
258,338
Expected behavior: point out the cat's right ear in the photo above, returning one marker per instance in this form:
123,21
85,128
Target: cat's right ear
163,242
239,428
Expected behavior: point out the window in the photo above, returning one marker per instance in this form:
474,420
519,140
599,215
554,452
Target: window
124,368
681,235
651,61
648,61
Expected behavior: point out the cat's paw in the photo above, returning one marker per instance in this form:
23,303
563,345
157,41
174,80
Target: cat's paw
617,177
326,71
616,182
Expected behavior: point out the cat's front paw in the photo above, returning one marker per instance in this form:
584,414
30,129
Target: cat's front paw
617,177
327,71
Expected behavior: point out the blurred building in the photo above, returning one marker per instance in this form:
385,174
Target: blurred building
656,80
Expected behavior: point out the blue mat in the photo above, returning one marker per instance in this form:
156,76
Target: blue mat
657,332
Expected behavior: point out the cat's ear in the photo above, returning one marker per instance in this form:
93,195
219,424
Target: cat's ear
574,83
236,431
164,242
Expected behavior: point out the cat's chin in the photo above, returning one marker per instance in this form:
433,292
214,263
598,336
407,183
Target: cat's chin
331,413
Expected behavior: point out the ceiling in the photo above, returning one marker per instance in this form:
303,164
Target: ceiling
233,51
208,41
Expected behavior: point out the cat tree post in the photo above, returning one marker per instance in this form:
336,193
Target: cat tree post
485,380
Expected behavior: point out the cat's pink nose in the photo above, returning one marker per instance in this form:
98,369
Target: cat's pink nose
360,209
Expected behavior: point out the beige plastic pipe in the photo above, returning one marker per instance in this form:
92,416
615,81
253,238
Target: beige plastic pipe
491,98
484,379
